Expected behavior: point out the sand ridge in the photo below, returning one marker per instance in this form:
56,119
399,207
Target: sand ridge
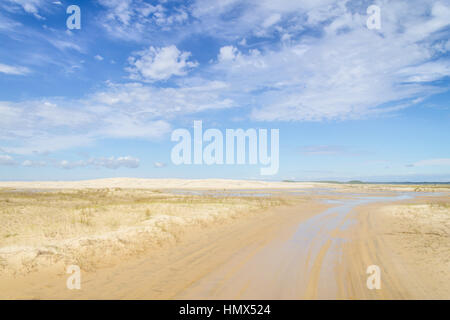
138,183
214,184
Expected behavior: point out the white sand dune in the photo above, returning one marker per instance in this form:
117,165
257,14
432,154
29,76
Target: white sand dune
213,184
135,183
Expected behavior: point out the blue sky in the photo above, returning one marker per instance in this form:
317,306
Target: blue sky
102,101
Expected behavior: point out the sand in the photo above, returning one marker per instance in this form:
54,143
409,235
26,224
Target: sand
94,227
210,184
135,183
418,233
395,238
292,246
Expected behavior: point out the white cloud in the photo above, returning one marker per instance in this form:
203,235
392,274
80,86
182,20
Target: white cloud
37,126
271,20
159,164
160,64
167,103
250,15
6,160
110,163
164,20
64,45
132,110
34,164
433,162
347,72
137,20
98,57
29,6
232,60
228,53
7,24
14,70
426,72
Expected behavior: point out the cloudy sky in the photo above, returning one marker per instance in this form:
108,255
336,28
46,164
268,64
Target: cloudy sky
102,101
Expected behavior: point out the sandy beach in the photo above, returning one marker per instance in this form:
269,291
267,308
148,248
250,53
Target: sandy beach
223,239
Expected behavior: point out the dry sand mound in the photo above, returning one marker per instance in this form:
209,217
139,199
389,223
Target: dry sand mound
96,227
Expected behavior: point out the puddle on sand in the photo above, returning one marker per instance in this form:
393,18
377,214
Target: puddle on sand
302,266
318,240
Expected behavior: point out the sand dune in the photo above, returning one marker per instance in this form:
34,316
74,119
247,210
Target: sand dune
94,227
214,184
134,183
